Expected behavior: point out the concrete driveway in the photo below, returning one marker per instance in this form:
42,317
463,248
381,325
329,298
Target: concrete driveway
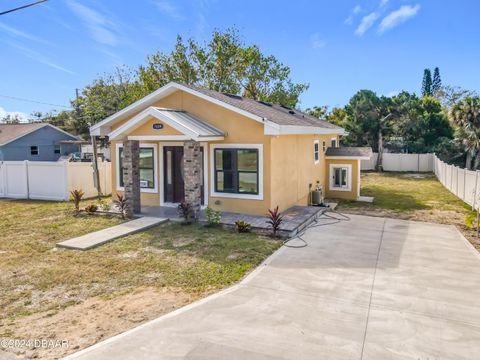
370,288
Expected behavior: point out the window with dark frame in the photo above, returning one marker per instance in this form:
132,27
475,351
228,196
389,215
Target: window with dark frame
324,146
146,167
236,171
340,177
56,149
34,150
316,149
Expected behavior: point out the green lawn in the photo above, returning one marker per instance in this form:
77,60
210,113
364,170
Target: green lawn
412,196
37,277
405,192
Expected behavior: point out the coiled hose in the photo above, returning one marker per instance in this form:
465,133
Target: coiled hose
335,217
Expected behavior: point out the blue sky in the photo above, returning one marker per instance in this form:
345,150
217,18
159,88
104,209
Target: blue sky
338,47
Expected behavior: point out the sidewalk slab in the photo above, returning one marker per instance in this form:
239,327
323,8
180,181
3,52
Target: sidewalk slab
101,237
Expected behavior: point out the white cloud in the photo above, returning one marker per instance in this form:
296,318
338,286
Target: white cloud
101,28
169,9
20,34
40,58
366,23
383,3
22,116
356,10
317,42
398,17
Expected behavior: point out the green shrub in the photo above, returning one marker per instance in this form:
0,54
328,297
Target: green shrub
104,205
471,219
242,226
213,216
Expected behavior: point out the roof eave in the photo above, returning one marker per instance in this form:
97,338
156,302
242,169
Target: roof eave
302,130
103,127
346,157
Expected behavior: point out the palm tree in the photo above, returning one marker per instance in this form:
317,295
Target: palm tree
466,116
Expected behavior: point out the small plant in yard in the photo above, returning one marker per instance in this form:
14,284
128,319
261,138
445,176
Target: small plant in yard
275,219
185,211
213,216
104,205
91,208
242,226
76,197
121,205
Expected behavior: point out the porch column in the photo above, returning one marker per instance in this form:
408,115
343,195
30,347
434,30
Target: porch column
192,164
131,176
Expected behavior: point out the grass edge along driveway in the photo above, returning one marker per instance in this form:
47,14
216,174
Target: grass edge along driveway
172,263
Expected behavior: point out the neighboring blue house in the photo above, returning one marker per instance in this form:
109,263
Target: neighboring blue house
34,142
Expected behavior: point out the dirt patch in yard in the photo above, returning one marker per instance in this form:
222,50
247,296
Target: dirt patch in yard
95,319
86,296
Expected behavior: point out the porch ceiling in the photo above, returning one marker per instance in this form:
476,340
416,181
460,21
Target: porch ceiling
192,127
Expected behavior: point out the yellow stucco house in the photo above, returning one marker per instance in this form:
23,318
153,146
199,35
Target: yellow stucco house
186,143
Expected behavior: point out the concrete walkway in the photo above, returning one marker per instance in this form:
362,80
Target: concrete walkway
101,237
370,288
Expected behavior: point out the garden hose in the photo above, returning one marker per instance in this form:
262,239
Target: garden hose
335,219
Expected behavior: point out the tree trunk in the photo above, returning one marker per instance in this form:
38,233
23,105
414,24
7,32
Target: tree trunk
476,163
468,162
379,166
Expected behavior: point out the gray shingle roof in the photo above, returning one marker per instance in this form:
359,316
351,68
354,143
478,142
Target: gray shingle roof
9,132
272,112
346,151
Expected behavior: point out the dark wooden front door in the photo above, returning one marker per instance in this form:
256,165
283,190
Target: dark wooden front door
173,174
174,187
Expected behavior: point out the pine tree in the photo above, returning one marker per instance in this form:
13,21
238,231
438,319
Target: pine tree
427,83
437,81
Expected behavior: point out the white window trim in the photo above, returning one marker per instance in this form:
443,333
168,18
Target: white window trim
258,147
155,167
316,153
205,173
38,150
332,140
359,166
332,174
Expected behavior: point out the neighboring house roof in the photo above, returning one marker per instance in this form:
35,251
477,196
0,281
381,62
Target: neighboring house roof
362,153
187,124
277,120
12,132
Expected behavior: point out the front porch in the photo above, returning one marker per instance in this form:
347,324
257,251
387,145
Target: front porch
295,219
162,159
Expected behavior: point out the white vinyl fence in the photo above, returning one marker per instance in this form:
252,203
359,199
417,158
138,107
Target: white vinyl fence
463,183
49,180
401,162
